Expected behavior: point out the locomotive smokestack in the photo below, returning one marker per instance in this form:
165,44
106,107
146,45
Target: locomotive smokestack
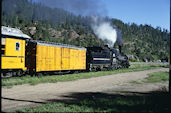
120,48
106,45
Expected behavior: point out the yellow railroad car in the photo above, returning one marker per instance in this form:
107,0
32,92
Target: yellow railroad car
55,57
13,43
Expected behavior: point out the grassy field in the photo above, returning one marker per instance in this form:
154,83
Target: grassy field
103,102
9,82
158,77
154,77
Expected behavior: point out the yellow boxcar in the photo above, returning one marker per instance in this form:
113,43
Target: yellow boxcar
58,57
13,43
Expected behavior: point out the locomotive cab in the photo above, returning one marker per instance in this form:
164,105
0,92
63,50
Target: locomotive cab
98,58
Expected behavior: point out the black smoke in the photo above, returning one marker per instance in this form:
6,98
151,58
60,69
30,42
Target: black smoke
82,7
119,37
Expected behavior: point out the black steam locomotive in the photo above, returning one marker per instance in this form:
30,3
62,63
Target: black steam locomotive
105,58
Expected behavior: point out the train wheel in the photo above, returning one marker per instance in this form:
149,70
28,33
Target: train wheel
72,72
114,67
14,74
19,73
6,74
3,75
90,67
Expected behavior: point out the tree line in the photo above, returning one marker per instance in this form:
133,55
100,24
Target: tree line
57,25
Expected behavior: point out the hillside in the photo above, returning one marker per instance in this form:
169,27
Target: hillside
140,42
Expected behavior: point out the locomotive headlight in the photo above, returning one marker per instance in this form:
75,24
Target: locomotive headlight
2,41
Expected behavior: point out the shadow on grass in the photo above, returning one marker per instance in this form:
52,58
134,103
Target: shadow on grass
22,100
120,102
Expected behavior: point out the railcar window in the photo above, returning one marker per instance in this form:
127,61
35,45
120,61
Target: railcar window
2,49
2,46
17,46
2,52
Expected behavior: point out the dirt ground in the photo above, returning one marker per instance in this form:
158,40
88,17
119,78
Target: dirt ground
23,96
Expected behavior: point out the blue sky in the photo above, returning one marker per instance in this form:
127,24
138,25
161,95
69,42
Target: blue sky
152,12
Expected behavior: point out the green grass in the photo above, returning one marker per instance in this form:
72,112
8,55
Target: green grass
9,82
160,76
137,82
104,102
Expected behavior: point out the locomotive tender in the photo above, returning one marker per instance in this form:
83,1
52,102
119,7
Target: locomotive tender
19,53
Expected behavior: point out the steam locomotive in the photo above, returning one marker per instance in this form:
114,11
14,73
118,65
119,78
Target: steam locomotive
105,58
20,54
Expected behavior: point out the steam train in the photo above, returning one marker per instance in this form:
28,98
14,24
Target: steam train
20,54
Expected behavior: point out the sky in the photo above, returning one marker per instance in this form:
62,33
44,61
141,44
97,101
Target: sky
152,12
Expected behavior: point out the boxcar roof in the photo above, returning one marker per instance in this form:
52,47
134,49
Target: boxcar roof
57,45
13,32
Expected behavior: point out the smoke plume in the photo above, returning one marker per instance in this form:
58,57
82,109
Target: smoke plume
104,30
101,27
